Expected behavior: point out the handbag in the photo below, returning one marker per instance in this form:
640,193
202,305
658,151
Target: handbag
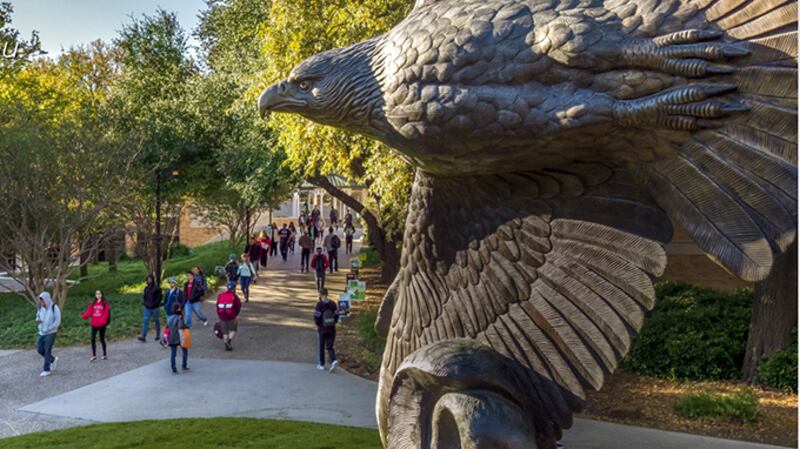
186,338
218,329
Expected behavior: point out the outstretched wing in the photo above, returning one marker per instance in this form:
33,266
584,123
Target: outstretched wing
733,188
552,269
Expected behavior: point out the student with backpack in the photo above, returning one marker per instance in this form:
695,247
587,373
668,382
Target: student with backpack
319,263
306,245
179,335
228,307
246,273
326,315
253,251
332,244
100,313
48,319
232,270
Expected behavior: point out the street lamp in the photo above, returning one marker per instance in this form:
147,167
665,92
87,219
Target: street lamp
163,175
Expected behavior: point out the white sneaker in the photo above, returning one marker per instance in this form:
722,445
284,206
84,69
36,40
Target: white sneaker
53,365
205,323
333,366
44,374
320,367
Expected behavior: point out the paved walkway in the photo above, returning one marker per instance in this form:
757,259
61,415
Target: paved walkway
271,372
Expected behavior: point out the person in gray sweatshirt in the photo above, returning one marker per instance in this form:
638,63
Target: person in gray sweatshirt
48,317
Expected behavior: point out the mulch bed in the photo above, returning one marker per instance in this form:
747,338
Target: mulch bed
626,398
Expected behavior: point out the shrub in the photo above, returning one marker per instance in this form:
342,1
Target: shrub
693,333
179,250
369,257
372,342
742,405
780,369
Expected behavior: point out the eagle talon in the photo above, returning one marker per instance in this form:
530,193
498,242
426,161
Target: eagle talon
684,108
685,53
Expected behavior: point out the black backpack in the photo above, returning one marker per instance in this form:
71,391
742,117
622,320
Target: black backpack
329,318
335,242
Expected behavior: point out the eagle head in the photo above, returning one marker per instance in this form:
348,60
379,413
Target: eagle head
337,87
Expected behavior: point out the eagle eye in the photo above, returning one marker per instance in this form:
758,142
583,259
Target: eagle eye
304,85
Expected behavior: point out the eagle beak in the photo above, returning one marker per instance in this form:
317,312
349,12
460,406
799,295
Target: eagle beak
277,98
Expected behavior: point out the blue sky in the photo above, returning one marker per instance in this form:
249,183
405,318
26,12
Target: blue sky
64,23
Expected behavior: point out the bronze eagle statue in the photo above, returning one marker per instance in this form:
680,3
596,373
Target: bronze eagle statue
555,142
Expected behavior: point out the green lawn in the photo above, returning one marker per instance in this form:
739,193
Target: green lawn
123,290
202,433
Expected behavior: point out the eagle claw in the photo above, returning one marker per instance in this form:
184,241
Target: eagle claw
687,53
684,108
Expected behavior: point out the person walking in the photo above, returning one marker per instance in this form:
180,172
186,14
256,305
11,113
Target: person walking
232,269
253,251
246,274
48,319
315,214
100,312
200,276
332,244
306,245
265,243
320,229
273,234
326,315
349,232
228,307
193,292
348,218
151,298
334,218
292,236
174,296
284,234
175,324
319,263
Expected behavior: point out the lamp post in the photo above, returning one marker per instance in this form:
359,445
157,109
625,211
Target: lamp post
163,175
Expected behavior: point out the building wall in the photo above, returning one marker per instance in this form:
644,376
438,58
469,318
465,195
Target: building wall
194,231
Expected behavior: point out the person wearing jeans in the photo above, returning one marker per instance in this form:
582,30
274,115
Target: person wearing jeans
193,292
48,318
319,263
326,315
152,303
306,244
246,274
176,324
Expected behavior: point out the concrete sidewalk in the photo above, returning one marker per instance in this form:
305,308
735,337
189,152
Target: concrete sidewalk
296,391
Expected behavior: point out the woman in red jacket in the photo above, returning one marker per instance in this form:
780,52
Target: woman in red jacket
99,312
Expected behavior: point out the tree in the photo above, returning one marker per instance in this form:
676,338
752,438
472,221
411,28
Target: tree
294,32
63,172
248,166
774,313
151,104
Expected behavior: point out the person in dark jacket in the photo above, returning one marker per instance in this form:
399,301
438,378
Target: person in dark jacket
253,251
193,292
273,234
176,324
319,263
326,315
152,302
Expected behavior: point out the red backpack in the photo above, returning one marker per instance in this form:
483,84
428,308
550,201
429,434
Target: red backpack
225,302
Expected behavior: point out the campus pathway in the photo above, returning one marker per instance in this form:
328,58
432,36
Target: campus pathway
270,374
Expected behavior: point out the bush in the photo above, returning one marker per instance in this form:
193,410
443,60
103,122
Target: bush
369,257
179,250
780,369
693,333
373,343
742,405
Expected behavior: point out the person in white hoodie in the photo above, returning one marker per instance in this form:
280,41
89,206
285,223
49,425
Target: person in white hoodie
48,317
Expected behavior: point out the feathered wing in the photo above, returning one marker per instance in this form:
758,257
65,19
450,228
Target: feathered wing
552,269
733,188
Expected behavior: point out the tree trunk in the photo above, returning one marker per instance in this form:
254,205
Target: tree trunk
83,260
385,245
774,313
